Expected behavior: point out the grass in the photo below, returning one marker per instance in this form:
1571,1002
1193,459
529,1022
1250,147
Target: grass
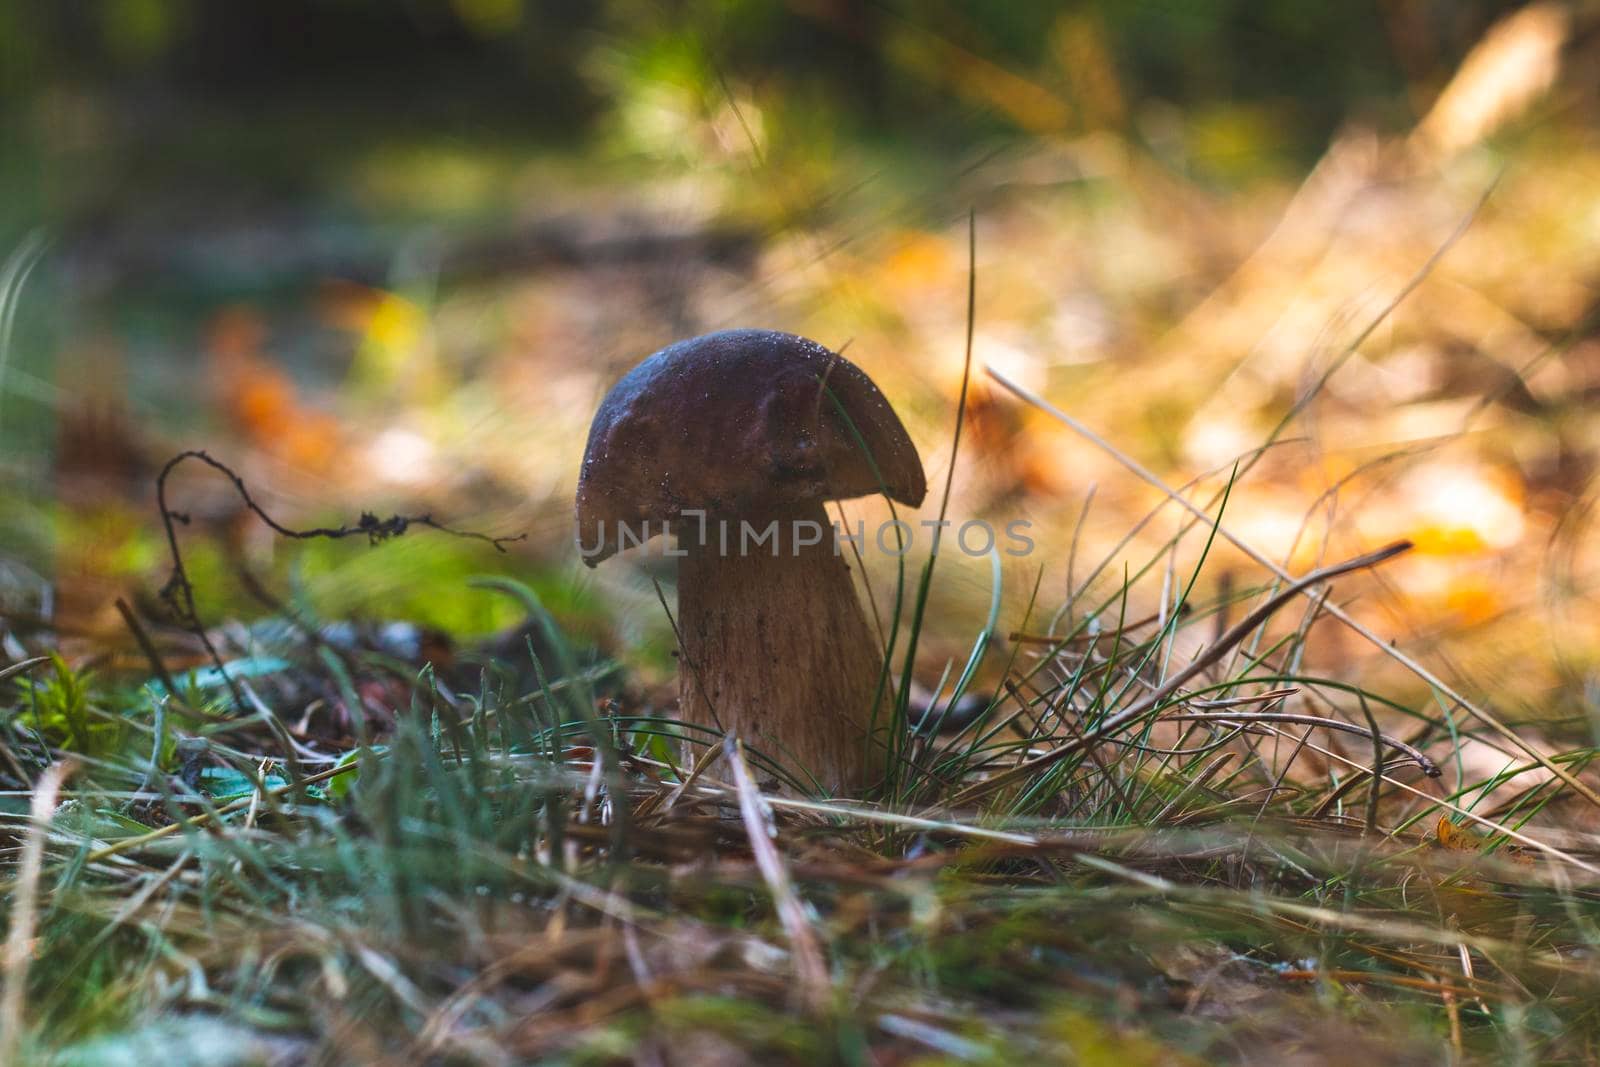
1165,841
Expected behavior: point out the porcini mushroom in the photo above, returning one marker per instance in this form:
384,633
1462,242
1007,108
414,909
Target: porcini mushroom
735,441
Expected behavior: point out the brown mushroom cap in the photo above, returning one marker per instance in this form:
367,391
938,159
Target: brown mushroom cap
737,423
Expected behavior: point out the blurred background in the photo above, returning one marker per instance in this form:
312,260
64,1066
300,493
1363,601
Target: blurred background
389,255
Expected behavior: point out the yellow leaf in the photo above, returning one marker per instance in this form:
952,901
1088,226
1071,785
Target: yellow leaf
1455,838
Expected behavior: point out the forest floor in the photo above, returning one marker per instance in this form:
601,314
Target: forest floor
1222,799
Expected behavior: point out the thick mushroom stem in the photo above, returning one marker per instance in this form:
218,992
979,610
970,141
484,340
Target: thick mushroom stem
777,648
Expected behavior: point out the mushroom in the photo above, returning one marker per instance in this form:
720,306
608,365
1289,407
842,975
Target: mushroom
734,441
